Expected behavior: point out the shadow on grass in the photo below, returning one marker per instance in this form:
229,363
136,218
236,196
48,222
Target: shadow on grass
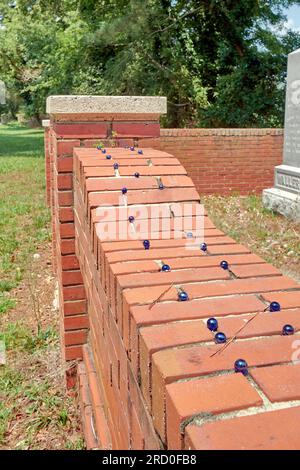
16,141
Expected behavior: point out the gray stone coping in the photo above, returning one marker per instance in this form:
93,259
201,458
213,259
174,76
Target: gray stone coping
80,104
46,122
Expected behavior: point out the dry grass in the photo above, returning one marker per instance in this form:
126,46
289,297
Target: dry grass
269,235
35,412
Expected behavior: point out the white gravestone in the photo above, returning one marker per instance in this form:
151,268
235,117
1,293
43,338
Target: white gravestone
285,196
2,92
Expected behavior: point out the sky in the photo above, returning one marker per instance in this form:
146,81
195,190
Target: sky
293,14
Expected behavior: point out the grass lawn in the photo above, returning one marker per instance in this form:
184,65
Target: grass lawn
34,411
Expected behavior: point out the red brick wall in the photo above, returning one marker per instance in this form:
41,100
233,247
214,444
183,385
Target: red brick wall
140,351
65,133
219,161
153,371
224,161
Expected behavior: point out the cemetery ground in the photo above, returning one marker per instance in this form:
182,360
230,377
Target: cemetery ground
35,412
271,236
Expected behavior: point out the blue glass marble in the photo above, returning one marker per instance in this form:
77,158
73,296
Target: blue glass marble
165,267
146,244
288,330
182,296
189,235
212,324
275,307
99,147
131,218
203,246
116,166
220,338
224,265
108,157
140,152
241,365
136,174
161,186
103,151
132,149
124,190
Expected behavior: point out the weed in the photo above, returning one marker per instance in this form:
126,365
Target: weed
77,445
6,303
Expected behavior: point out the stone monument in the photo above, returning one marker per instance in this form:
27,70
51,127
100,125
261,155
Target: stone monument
2,92
285,196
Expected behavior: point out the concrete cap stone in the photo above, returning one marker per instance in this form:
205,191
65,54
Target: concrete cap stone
78,104
46,122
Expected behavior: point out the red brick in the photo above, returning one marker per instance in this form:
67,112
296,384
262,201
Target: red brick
67,230
65,147
65,198
64,165
71,278
73,352
286,299
275,430
66,214
255,270
206,396
279,383
74,308
69,262
67,246
64,181
137,438
134,129
76,322
75,337
74,293
80,130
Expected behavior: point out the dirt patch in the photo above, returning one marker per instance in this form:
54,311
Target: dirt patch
270,235
37,413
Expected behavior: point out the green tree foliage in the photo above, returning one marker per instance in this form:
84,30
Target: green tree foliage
219,62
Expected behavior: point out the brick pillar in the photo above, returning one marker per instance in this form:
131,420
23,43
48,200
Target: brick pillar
84,121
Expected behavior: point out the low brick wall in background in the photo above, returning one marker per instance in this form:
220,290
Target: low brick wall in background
219,161
225,161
